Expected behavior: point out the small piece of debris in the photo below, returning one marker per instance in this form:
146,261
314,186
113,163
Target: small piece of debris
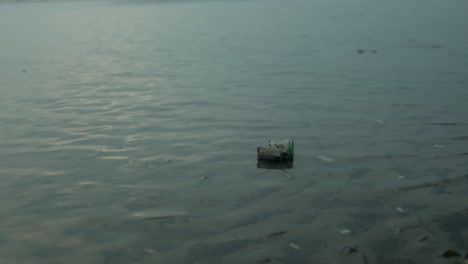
324,158
151,251
295,246
450,254
87,183
349,250
445,124
380,121
439,146
401,176
345,232
399,209
276,234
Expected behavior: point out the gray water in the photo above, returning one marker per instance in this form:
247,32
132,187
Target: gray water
129,131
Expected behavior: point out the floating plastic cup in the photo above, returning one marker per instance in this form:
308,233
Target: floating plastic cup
277,151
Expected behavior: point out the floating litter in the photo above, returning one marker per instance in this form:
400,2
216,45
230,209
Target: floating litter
345,232
324,158
276,151
399,209
295,246
276,156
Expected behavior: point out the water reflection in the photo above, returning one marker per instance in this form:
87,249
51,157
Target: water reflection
282,165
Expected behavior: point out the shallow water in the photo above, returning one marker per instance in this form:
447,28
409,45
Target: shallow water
128,131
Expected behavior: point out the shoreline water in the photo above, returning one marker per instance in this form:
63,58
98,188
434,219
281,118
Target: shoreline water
130,134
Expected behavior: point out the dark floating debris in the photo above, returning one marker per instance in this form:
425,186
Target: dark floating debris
276,234
450,254
362,51
435,46
269,260
445,124
353,250
349,249
426,46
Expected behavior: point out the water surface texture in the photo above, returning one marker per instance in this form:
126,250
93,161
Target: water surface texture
128,132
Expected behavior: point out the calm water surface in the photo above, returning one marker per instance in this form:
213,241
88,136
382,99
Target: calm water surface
128,131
